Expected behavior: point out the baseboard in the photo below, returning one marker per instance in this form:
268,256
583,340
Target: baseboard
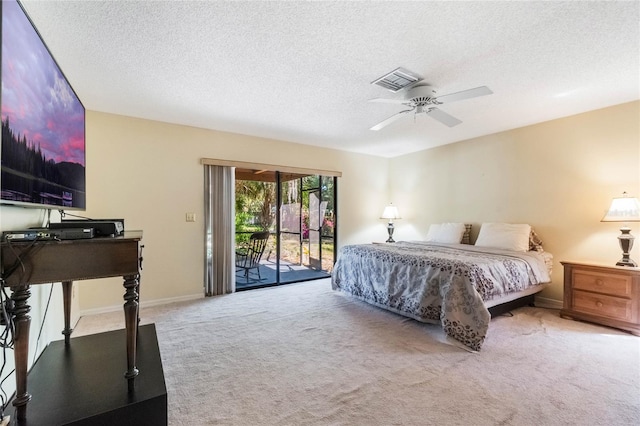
545,302
143,304
156,302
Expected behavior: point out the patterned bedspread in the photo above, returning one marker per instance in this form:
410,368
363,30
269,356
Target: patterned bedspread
437,283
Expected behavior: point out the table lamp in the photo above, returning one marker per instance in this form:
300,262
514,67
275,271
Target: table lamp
390,212
624,209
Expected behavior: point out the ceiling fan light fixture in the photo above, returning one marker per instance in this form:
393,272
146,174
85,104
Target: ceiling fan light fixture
397,79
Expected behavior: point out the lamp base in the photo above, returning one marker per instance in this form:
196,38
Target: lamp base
390,230
626,243
626,262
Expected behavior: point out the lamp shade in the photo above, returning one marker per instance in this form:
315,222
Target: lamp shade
623,209
390,212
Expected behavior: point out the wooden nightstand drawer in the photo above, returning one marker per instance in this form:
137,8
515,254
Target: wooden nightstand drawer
616,285
602,305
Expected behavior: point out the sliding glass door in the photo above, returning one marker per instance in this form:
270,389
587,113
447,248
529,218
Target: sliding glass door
299,212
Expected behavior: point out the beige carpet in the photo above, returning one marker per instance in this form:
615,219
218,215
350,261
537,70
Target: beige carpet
303,355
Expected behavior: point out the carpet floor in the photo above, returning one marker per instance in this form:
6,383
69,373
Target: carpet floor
302,354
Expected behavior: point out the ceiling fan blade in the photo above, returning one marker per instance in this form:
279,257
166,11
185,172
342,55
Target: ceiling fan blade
443,117
390,120
388,100
465,94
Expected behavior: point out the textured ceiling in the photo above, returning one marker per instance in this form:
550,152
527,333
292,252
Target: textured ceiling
301,71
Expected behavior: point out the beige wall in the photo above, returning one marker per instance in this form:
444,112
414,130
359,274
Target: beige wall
149,173
558,176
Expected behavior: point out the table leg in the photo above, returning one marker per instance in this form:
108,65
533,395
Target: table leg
131,325
67,287
22,322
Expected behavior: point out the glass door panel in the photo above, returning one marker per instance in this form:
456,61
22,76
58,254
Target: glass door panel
328,228
316,215
255,212
291,228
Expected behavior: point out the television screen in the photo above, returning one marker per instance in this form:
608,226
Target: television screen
43,122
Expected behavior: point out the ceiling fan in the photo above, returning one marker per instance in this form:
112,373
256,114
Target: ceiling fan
423,99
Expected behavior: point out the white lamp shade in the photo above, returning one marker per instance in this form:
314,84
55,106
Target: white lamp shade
623,209
390,212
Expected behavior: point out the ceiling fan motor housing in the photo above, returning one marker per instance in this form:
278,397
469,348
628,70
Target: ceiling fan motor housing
421,96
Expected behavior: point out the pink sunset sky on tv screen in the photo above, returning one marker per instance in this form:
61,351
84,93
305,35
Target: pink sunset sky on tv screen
36,97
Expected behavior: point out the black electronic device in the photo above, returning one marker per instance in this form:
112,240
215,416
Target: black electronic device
25,235
48,234
101,227
71,233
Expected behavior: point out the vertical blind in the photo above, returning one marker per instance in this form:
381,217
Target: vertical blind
219,230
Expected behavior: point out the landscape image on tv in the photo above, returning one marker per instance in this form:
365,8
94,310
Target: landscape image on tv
43,122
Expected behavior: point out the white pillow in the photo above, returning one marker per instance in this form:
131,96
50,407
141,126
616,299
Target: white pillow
505,236
450,233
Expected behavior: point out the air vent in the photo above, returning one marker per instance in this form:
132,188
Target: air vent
397,79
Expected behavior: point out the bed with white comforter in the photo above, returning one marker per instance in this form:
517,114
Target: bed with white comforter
451,284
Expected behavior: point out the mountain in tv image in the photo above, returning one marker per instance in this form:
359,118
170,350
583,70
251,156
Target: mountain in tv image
29,176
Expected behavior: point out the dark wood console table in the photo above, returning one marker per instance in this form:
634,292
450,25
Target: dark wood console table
43,262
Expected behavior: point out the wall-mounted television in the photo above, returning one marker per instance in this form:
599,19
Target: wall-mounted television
42,160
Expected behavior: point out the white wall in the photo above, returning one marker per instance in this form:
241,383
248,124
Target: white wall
558,176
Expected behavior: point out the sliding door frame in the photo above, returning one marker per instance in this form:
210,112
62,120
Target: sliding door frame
279,170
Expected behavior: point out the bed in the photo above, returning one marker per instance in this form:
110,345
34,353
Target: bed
452,284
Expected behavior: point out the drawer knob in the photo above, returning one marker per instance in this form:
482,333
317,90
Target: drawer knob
599,304
599,282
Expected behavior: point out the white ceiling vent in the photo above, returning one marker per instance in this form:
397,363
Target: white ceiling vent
397,79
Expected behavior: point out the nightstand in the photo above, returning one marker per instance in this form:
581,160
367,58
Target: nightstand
606,295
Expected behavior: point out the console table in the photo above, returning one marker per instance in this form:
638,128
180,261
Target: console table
46,261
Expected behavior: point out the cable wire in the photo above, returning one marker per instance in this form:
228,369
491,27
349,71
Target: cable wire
6,340
63,214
